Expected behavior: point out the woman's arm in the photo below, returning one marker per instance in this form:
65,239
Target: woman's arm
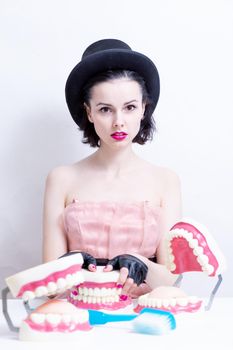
54,239
171,205
158,274
171,211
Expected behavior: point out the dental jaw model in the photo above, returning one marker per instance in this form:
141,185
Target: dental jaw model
98,291
190,247
54,321
50,278
167,298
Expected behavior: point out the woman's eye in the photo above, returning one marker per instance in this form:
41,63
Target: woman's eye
130,107
105,109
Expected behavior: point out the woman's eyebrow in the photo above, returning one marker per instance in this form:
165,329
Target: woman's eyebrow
108,104
102,103
126,103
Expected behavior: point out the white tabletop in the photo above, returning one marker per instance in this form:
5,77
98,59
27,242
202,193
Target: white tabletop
200,330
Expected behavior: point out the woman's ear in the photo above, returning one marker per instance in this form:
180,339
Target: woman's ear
143,110
88,111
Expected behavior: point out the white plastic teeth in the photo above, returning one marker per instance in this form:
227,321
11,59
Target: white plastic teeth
95,300
60,286
198,251
99,292
54,319
97,295
146,301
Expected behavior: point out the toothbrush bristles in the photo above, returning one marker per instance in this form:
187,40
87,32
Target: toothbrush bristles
153,324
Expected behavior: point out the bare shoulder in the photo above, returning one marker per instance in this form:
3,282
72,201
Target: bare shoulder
170,186
165,176
61,176
58,183
169,175
60,173
159,171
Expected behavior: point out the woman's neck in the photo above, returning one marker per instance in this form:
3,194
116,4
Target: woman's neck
115,162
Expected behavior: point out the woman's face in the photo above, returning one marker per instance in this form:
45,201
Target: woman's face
116,109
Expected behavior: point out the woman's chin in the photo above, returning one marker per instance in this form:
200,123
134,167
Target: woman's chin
116,144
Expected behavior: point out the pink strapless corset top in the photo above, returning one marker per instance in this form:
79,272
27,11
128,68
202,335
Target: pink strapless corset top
107,229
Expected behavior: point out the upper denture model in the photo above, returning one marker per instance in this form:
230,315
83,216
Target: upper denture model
190,247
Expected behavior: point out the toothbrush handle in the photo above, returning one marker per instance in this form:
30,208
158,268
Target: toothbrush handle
119,317
98,317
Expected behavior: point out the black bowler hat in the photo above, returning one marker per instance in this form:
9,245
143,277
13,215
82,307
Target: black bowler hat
103,55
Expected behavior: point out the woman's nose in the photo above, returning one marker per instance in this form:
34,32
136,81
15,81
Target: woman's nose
118,120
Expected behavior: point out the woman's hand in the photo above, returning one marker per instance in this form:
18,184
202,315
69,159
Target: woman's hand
133,271
89,262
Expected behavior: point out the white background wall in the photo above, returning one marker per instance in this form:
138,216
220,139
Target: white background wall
191,43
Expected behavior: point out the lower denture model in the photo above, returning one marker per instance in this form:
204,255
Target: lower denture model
167,298
55,320
99,290
191,247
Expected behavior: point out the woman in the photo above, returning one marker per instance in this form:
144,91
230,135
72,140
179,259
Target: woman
113,204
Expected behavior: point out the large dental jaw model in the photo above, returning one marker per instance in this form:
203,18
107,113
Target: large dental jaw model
167,298
50,278
191,247
98,291
56,320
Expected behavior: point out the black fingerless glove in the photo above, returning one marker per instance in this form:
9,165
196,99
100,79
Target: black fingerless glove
137,268
87,258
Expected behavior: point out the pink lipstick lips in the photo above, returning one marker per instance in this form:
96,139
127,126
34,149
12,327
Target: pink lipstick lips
119,135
